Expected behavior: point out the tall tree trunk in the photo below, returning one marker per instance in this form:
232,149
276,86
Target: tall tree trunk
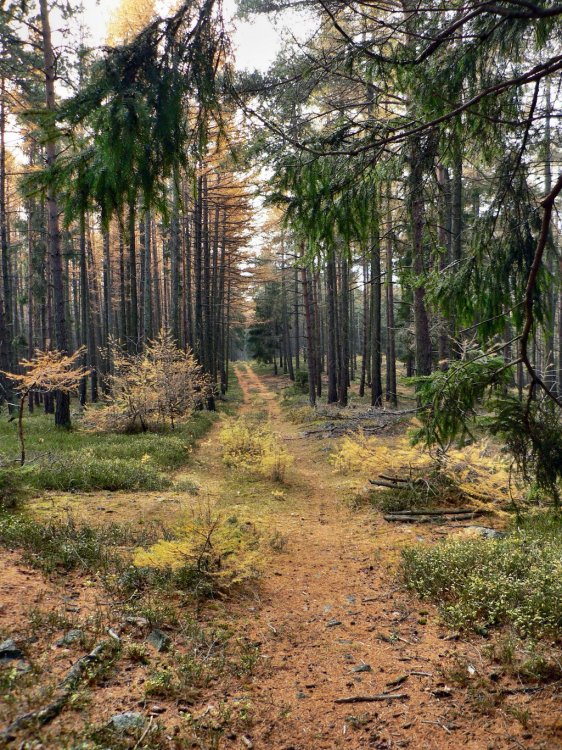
147,312
84,306
417,213
343,334
297,322
391,392
134,302
122,326
62,410
376,347
550,365
175,296
6,329
365,332
317,331
198,271
285,318
107,303
331,290
444,238
310,344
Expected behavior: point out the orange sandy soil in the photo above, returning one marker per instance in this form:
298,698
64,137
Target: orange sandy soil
339,566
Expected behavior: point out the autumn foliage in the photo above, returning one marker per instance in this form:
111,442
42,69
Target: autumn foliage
151,390
46,372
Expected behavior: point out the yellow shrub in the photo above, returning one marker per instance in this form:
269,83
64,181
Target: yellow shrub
254,448
476,469
302,415
274,461
240,445
225,550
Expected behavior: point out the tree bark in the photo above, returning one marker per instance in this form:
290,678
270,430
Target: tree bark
417,213
62,409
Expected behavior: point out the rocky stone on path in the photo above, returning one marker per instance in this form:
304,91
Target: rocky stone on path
484,531
127,721
73,636
362,668
159,640
10,652
139,622
333,623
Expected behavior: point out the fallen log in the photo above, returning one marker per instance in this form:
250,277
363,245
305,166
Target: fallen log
442,512
428,519
66,686
396,480
388,484
373,698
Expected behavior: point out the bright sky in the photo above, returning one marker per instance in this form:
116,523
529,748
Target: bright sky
256,43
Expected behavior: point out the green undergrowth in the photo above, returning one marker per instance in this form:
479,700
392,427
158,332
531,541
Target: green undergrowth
514,581
79,460
63,546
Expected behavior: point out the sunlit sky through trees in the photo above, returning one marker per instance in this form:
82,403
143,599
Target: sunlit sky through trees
256,42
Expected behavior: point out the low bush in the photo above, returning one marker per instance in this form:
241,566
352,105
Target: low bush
481,583
59,545
66,545
160,386
248,446
477,471
302,415
210,554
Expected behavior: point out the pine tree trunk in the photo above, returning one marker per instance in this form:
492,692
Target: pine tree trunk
331,284
391,392
6,330
444,238
310,345
376,301
421,320
343,334
175,292
134,302
365,332
62,409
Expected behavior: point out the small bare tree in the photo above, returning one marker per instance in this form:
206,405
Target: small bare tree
46,372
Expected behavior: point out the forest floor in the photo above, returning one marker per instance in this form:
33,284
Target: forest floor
328,619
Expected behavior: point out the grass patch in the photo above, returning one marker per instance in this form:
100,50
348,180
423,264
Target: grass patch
480,583
80,460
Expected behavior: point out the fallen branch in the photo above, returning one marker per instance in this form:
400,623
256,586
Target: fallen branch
428,519
442,512
66,687
373,698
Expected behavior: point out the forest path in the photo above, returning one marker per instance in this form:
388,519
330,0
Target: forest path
333,622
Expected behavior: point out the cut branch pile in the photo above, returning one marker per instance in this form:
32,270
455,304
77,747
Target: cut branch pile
342,425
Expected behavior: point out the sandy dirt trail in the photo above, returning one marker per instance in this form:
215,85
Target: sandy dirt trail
330,617
334,623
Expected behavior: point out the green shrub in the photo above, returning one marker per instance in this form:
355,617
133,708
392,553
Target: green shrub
480,583
66,545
